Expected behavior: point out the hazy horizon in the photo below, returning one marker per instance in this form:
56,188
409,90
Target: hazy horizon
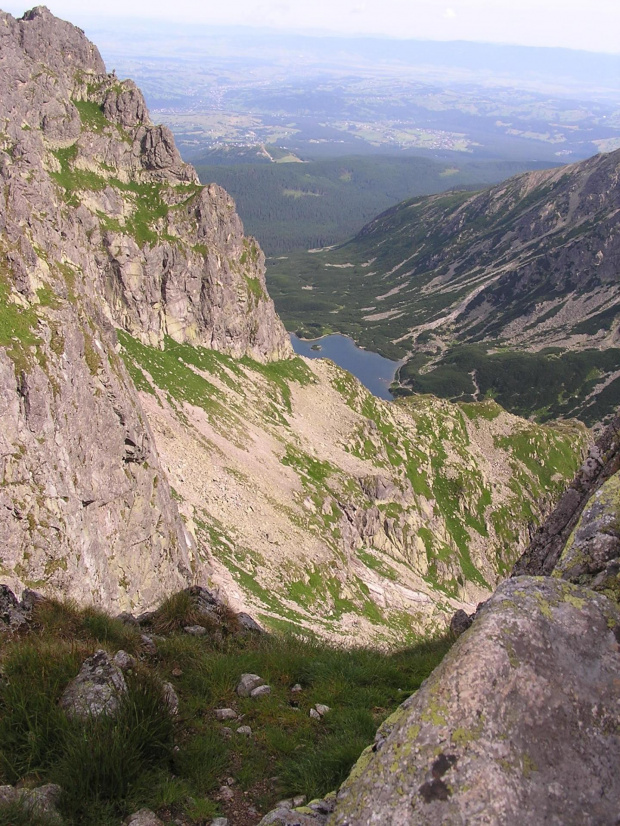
572,24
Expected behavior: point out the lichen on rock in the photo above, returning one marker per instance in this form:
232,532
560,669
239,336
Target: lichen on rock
519,724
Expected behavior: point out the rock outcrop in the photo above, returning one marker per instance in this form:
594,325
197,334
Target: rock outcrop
519,724
602,462
98,689
39,803
102,226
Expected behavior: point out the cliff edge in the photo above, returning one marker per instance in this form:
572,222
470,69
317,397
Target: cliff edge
102,226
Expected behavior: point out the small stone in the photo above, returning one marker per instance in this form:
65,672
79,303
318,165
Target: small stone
219,821
226,732
323,710
246,731
231,781
296,689
284,804
299,800
248,683
226,793
171,698
124,660
145,817
260,691
148,645
127,619
195,630
8,795
325,806
176,672
225,714
315,714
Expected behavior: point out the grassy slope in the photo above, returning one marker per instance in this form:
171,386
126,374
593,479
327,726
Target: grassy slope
466,481
110,768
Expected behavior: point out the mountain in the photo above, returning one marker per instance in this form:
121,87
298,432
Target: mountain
158,433
509,293
102,225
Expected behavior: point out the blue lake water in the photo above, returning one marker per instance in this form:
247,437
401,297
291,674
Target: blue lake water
374,371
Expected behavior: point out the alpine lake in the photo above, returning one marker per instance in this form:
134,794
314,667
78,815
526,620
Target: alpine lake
375,372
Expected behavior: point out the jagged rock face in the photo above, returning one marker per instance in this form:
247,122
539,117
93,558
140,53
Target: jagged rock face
517,725
101,225
83,160
592,554
86,508
550,540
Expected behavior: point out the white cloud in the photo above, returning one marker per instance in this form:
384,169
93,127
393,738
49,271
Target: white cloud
449,14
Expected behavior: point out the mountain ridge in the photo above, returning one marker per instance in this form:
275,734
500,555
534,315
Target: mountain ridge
526,266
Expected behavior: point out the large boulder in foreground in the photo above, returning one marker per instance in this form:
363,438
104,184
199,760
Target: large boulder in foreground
520,723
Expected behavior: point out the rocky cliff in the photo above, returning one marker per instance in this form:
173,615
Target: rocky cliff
101,226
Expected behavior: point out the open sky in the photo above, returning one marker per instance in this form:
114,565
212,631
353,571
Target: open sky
593,25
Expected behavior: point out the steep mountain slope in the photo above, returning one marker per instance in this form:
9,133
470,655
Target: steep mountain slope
456,281
101,224
304,498
317,504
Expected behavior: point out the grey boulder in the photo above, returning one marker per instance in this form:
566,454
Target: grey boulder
222,714
40,802
98,689
260,691
248,683
249,624
144,817
518,725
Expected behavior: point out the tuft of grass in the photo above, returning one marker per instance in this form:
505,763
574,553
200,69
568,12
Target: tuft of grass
52,618
32,726
176,612
202,760
104,757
